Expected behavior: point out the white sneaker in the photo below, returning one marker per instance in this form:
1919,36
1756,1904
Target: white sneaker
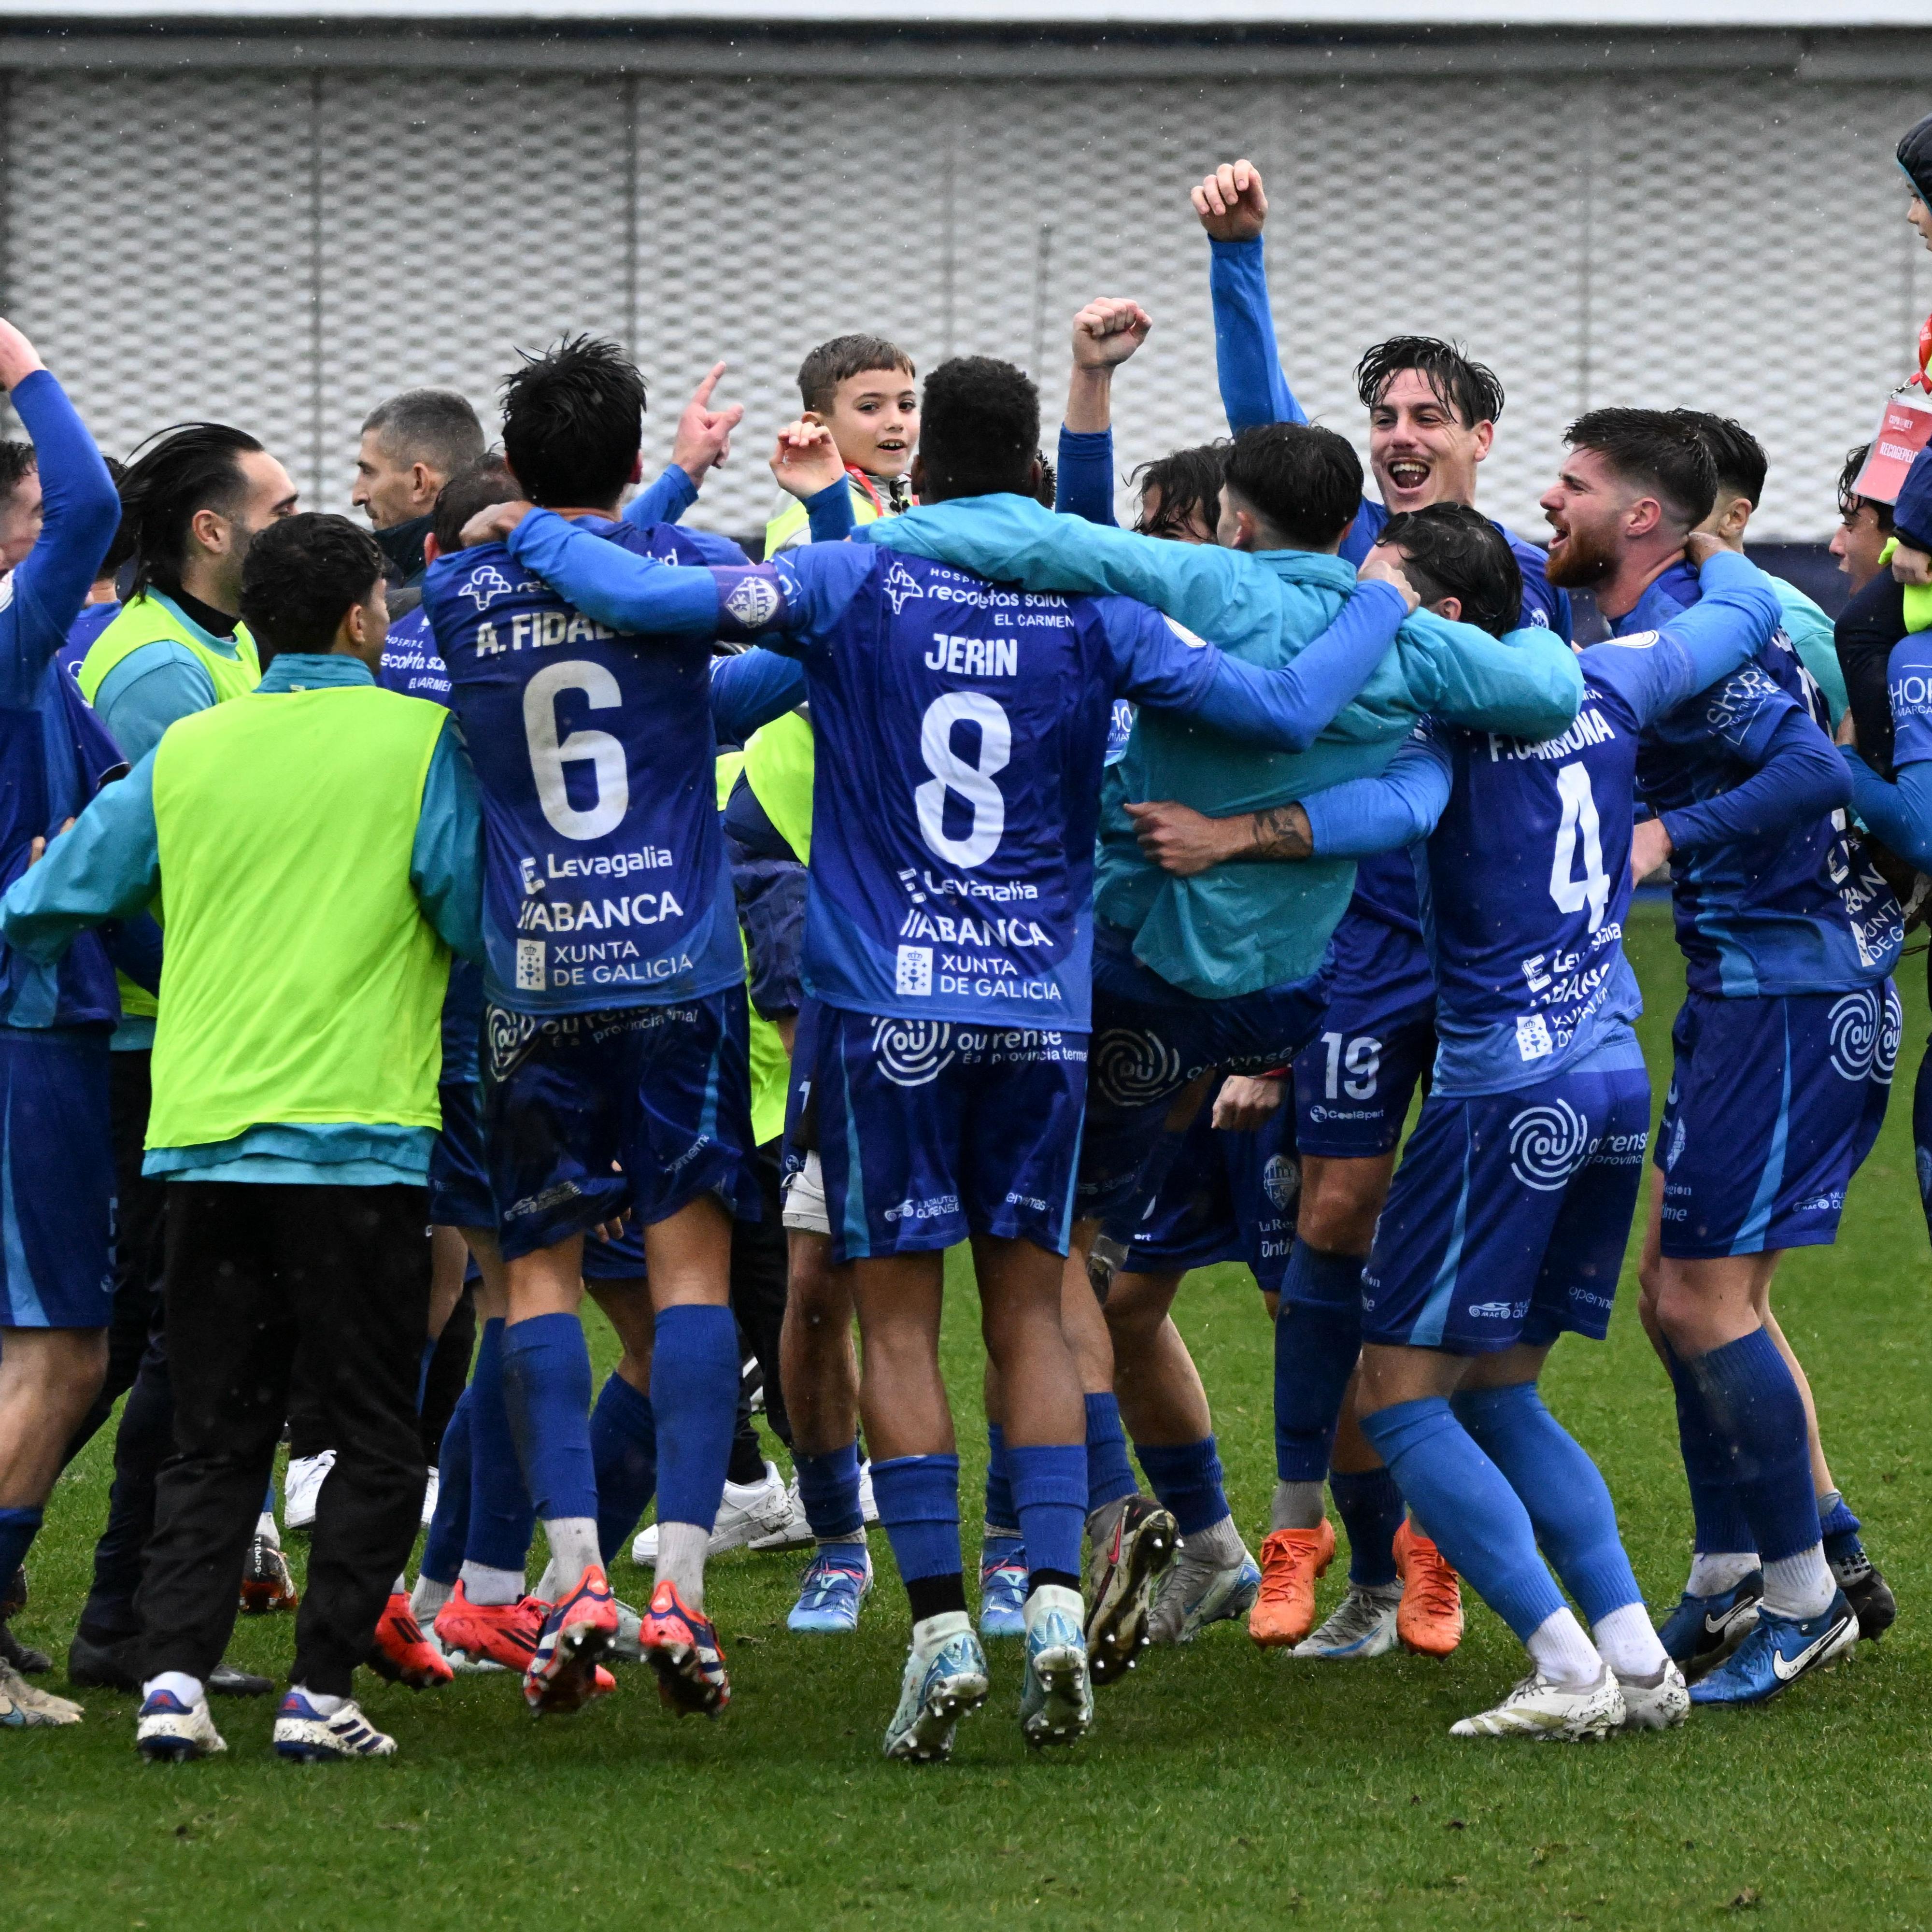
1362,1624
1658,1703
169,1731
794,1532
306,1476
304,1735
748,1510
1551,1713
23,1707
431,1489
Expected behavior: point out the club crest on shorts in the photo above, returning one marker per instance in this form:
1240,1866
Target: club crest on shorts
1548,1142
1281,1181
911,1053
1132,1069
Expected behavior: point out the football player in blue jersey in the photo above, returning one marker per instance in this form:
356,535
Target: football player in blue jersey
1784,1054
1507,1220
614,1023
56,1289
1432,413
969,724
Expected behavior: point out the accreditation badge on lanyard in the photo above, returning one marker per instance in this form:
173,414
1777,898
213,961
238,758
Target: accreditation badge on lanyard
1903,430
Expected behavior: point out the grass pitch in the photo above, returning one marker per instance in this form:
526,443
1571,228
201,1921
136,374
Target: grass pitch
1223,1786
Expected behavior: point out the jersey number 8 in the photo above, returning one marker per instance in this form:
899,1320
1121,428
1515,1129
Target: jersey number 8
973,783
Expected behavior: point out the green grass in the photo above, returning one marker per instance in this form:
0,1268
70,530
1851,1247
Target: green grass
1223,1786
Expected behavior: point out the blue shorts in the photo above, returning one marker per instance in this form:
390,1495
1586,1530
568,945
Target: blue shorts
800,1124
1150,1040
1921,1133
1773,1103
56,1181
1353,1082
1227,1197
930,1131
585,1114
459,1186
1508,1216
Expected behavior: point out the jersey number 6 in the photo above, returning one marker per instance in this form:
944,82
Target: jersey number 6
598,749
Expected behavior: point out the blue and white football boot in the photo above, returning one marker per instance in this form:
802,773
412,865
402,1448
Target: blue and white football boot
1003,1587
304,1735
1362,1624
1195,1591
169,1730
1702,1631
945,1680
1057,1696
1779,1650
836,1582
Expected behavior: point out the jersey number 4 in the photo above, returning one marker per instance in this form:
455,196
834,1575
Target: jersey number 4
549,756
1579,825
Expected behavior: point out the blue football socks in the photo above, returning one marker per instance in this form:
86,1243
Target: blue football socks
502,1516
546,1393
919,1509
1050,1495
1318,1339
624,1453
1109,1475
828,1486
449,1525
1716,1514
1754,1406
1370,1507
695,1370
1474,1517
1569,1503
18,1528
1187,1478
1000,1515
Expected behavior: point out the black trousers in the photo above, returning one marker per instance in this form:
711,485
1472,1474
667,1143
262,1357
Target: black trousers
255,1274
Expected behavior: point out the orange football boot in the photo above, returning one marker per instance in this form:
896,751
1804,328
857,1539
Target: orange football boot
1291,1559
402,1654
1429,1619
504,1635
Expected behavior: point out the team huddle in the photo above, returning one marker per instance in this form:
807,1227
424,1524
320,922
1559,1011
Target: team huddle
406,935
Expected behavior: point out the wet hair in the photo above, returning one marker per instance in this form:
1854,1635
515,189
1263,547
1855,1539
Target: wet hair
1449,549
472,490
1658,452
302,576
1470,390
842,359
979,429
190,467
573,423
1189,483
1304,481
436,427
122,547
1737,455
1850,501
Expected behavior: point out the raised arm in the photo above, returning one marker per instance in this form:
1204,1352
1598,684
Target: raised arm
81,512
1105,333
1738,614
1247,359
702,442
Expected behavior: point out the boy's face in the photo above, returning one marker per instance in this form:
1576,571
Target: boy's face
873,419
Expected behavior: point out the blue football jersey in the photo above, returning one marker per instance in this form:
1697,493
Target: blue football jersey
962,729
1544,607
606,883
411,663
1802,911
1909,684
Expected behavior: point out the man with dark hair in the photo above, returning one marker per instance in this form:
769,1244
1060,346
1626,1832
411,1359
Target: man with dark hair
1865,524
318,842
615,1025
1433,411
412,445
1789,941
20,502
927,687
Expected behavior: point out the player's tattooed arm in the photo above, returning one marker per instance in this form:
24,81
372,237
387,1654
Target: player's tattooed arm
1184,842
